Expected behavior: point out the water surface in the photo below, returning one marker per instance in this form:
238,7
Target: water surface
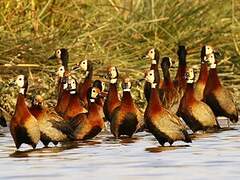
210,156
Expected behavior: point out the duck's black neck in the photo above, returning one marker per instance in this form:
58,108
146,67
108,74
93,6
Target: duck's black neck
89,73
166,73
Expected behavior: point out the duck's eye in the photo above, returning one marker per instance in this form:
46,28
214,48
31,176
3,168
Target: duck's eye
94,91
58,52
20,79
150,74
151,52
84,62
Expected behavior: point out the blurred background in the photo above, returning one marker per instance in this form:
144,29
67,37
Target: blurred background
112,32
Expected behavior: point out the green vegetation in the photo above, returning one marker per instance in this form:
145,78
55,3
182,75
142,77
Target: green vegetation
112,32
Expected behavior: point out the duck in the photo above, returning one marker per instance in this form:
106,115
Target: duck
62,55
63,92
24,126
90,124
216,95
112,100
53,128
87,67
196,114
168,93
126,118
180,81
75,104
203,75
164,125
154,56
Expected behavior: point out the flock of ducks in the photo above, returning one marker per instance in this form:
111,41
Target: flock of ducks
173,105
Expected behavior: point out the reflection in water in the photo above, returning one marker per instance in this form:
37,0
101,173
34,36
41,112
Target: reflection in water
165,148
44,151
48,151
127,140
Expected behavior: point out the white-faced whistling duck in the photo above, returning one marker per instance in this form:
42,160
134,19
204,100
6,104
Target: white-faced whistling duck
63,92
169,95
62,55
153,55
180,81
165,126
196,114
87,67
24,126
75,105
216,96
112,100
126,118
101,96
52,126
90,124
203,75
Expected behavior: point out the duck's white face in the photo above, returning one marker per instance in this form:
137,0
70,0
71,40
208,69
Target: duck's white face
20,81
113,72
151,54
94,93
58,53
208,49
210,59
73,84
84,64
150,76
61,71
190,74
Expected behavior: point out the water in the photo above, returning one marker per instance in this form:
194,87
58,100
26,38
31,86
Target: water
210,156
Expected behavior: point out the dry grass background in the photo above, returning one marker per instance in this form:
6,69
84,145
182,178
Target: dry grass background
112,32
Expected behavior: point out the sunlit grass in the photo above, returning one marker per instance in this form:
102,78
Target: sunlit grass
113,32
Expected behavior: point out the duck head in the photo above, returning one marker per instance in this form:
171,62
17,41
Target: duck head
85,65
93,93
63,75
150,76
22,83
99,84
60,72
210,60
62,56
152,54
166,63
113,74
72,85
190,75
206,50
